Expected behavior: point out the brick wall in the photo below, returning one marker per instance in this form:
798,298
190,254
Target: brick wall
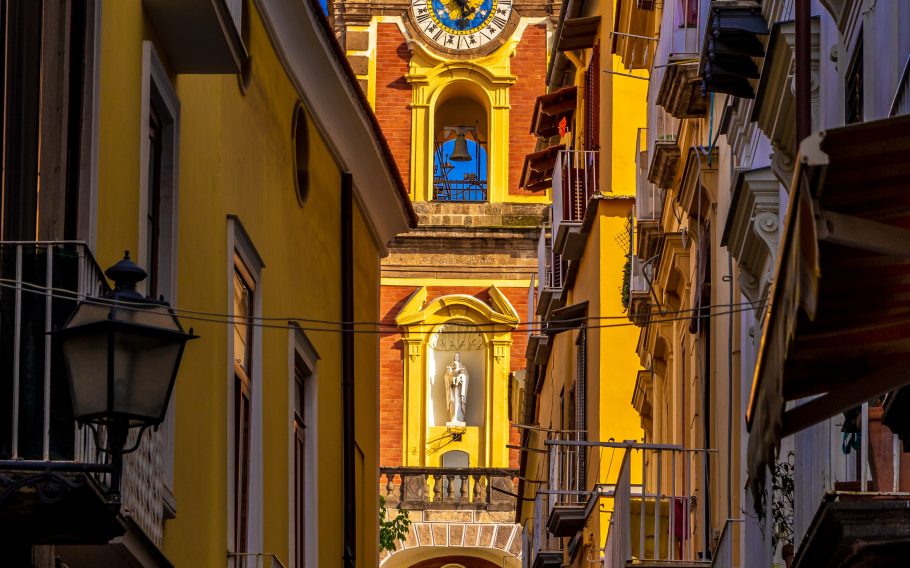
393,95
530,65
391,385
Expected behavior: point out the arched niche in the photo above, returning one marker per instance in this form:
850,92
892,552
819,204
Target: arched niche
483,332
468,342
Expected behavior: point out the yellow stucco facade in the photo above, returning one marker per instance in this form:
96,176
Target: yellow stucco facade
236,182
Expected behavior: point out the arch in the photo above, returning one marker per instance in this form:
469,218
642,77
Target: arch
441,555
460,111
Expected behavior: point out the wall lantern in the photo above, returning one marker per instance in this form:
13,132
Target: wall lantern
122,353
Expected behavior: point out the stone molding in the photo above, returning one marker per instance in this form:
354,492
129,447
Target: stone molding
501,537
752,233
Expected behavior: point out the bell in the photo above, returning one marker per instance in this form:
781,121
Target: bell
460,153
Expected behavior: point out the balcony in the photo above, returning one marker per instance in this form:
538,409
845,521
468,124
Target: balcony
551,274
680,91
658,520
858,512
575,181
838,335
451,488
649,200
199,36
544,550
570,502
68,503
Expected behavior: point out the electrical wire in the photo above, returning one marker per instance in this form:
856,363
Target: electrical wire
555,326
65,294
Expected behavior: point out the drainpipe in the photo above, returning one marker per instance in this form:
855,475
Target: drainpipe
803,70
347,368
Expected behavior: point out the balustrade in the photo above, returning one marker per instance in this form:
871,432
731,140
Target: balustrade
423,488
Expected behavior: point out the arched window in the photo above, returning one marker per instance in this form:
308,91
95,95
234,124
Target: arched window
460,146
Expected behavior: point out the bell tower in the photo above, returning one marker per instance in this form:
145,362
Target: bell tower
453,84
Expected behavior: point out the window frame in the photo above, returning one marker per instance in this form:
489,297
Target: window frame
159,98
302,353
243,255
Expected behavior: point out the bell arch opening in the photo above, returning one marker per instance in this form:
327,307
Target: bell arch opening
460,146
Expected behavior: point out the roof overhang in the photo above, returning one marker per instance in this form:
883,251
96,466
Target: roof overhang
551,108
537,171
838,323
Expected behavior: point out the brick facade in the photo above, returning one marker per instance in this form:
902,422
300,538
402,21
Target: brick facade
530,65
393,95
391,385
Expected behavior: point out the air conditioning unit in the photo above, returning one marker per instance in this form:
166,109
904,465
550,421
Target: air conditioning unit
646,5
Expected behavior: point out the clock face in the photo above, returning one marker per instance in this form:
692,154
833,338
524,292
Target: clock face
461,25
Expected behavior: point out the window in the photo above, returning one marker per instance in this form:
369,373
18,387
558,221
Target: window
303,410
47,54
300,462
243,359
158,205
244,401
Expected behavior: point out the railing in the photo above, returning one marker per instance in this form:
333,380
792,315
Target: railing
466,191
542,542
731,537
431,488
648,198
662,519
575,181
567,485
901,103
551,268
40,285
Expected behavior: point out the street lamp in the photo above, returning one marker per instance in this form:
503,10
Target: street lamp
122,353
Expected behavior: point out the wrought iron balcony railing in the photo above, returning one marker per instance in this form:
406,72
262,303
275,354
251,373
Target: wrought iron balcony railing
432,488
40,285
575,181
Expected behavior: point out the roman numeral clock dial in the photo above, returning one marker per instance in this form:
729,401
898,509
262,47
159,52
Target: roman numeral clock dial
461,25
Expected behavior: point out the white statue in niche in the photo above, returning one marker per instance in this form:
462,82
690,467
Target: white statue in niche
457,381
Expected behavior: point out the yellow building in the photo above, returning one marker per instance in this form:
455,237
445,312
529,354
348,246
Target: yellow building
227,145
453,89
580,358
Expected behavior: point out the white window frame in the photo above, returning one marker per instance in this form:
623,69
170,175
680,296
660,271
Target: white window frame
299,346
240,245
159,92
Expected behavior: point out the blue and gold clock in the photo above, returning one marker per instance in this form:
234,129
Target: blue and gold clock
461,25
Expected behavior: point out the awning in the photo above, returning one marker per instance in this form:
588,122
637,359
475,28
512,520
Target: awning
537,171
551,108
838,323
578,33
